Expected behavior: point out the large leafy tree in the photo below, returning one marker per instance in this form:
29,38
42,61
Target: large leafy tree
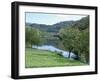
82,45
76,39
68,38
32,36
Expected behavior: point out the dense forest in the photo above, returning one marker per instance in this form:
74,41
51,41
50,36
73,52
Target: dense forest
72,36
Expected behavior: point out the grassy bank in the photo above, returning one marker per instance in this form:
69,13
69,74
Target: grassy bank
40,58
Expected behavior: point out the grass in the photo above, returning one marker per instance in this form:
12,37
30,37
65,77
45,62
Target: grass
41,58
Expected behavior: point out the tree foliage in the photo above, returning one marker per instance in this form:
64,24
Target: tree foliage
68,38
32,36
76,39
82,45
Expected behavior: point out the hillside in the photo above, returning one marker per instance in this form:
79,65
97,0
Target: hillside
82,24
51,28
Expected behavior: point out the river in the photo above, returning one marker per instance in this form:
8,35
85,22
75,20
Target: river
54,49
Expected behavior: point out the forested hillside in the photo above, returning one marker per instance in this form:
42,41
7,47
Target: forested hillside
51,28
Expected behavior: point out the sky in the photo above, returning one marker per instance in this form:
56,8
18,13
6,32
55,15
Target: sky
50,19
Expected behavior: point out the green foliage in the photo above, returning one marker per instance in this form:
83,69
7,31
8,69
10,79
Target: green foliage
76,39
68,36
32,36
82,45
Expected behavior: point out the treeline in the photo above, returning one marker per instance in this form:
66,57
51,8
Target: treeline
76,39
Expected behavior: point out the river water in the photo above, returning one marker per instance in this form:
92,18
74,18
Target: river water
54,49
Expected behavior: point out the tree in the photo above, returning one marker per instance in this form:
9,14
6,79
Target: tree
77,41
32,36
68,38
83,45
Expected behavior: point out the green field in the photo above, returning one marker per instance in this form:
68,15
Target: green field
39,58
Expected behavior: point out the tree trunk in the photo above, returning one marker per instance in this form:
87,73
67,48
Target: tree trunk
69,54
